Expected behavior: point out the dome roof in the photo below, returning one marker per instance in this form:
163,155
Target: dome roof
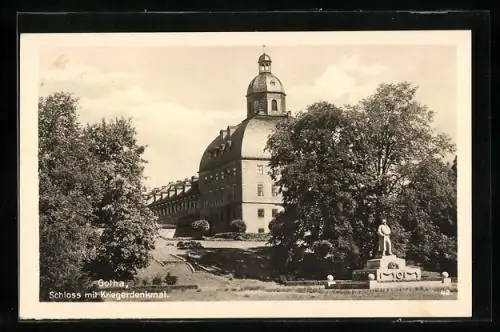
246,140
265,82
264,57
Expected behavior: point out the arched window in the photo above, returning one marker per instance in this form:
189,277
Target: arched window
250,107
274,105
256,106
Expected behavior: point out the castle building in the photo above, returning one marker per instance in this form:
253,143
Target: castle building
233,179
177,205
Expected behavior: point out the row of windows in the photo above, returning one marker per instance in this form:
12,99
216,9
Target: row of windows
274,190
217,195
229,172
261,213
256,104
221,175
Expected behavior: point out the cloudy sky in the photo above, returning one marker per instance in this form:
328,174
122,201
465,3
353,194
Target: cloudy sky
180,97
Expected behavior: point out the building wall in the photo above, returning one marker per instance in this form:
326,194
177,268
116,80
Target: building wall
262,102
256,224
255,173
221,195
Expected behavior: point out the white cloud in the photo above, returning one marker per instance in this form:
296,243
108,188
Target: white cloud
176,135
346,81
64,70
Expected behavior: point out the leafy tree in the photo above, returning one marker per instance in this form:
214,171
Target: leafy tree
430,201
341,170
129,226
68,188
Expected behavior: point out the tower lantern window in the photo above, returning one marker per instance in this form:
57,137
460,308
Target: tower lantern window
274,105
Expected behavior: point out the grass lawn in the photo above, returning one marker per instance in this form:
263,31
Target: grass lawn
240,270
296,295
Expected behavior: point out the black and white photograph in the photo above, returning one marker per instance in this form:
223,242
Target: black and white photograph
238,175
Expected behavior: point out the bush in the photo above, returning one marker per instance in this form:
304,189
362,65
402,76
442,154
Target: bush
170,280
243,236
238,226
200,227
274,225
157,280
145,281
189,245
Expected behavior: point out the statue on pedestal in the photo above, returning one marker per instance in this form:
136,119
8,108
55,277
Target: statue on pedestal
384,243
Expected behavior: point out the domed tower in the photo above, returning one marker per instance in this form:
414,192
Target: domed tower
265,93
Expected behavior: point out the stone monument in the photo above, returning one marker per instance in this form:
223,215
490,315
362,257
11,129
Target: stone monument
386,267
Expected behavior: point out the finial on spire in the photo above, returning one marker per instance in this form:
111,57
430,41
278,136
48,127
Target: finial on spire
264,48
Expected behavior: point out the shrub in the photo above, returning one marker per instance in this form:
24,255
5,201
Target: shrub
170,280
189,245
157,280
238,226
145,281
274,225
200,227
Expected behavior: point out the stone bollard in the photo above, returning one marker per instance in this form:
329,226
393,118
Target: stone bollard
445,278
329,281
372,283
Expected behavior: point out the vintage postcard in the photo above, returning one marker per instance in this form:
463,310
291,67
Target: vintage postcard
242,175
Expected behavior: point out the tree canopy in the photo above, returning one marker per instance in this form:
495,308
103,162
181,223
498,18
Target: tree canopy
93,219
341,169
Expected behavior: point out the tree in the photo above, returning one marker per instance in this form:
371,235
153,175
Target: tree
341,169
129,226
430,201
68,188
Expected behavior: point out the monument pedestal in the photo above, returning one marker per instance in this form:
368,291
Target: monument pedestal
387,268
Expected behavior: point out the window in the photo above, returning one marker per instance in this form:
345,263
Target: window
222,175
260,230
234,171
260,213
260,169
275,190
233,192
216,176
260,189
256,106
274,105
274,212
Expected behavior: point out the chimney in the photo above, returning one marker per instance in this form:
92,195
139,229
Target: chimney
223,134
